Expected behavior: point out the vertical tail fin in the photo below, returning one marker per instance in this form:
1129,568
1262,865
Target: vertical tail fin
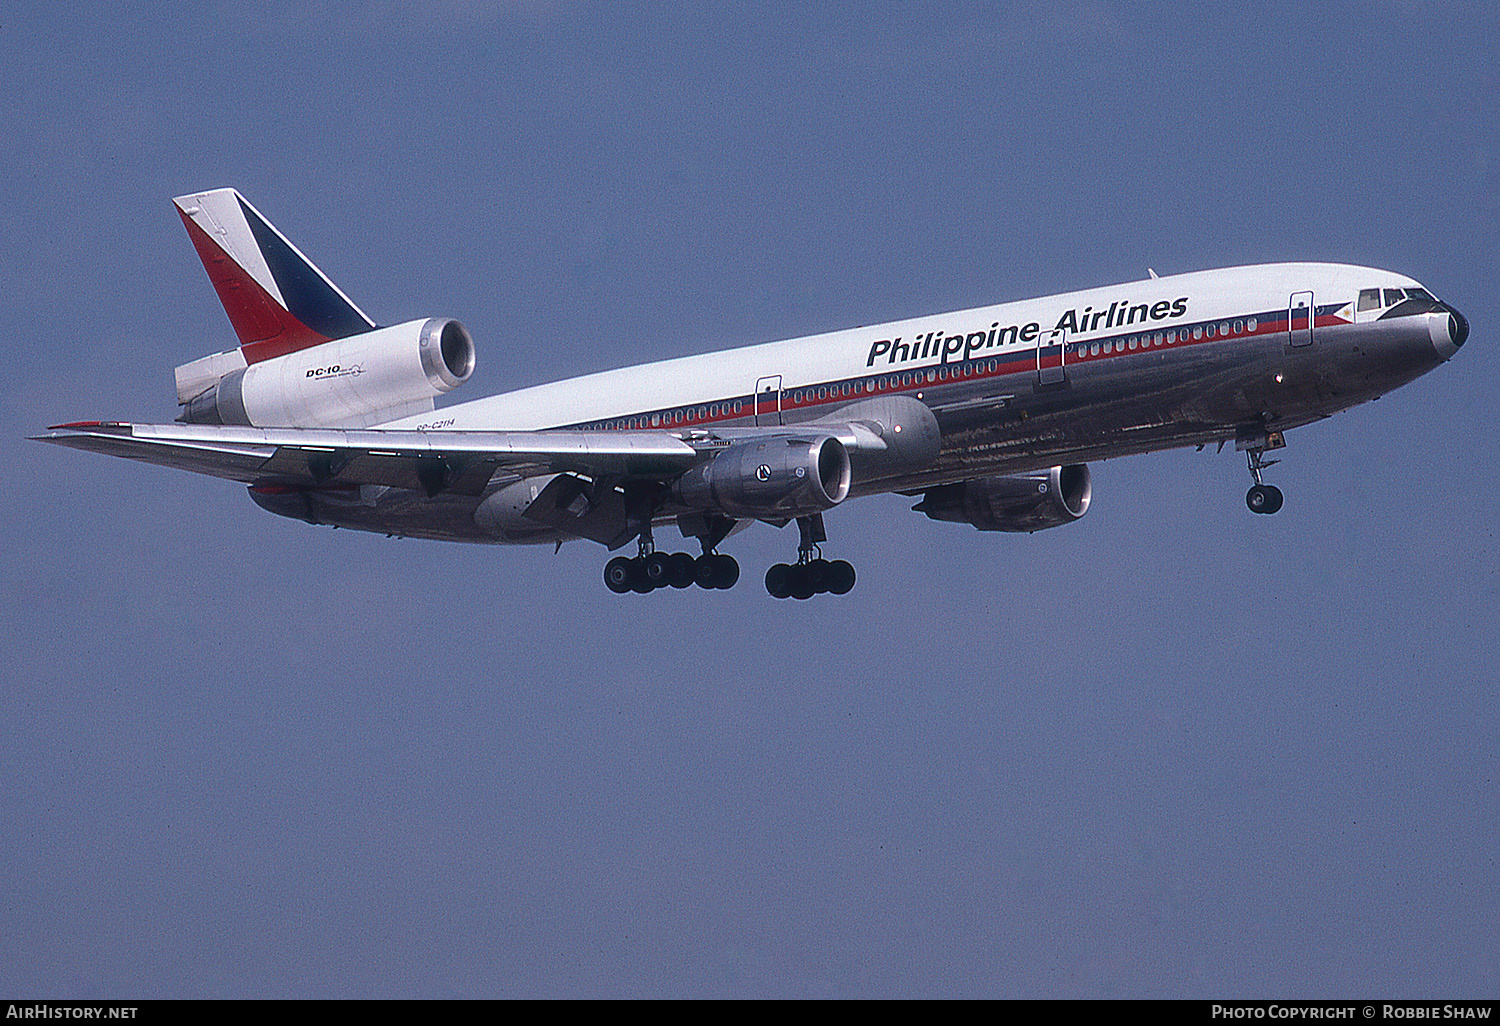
277,300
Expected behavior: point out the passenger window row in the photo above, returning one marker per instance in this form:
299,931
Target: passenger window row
1127,343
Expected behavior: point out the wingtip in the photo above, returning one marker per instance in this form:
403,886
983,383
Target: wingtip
62,433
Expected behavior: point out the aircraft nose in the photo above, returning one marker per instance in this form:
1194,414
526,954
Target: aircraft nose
1458,326
1447,333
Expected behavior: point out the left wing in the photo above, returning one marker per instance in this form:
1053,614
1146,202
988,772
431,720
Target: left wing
432,461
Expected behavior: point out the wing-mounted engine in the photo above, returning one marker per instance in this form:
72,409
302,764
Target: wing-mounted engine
774,478
906,432
369,378
1026,502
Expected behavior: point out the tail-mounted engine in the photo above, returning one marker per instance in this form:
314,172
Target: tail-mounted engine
1027,502
365,379
773,478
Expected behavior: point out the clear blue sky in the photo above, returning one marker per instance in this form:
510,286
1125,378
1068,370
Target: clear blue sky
1173,749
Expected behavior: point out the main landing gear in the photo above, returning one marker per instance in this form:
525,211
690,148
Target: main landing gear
1261,498
651,570
811,574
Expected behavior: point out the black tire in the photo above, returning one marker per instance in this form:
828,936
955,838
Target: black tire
840,577
681,570
657,568
817,575
802,584
639,582
1263,498
617,575
726,572
705,570
778,580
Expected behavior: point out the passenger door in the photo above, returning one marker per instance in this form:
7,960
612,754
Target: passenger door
1300,315
768,401
1051,357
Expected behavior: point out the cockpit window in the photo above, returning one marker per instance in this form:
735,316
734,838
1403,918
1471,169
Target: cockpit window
1392,297
1369,299
1420,294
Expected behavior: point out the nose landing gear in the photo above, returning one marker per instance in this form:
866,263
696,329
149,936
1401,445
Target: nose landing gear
1261,498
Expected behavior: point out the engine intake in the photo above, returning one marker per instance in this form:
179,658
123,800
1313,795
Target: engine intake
1026,502
358,381
772,478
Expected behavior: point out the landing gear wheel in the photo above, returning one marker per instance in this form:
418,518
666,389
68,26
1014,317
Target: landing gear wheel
617,574
803,585
839,577
811,574
817,574
778,580
1263,498
680,570
639,582
657,569
726,572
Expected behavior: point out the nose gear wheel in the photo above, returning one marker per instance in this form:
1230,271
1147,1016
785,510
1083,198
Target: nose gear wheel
1261,498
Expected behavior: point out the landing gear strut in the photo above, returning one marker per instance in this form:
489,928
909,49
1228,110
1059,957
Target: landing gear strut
651,569
1261,498
811,574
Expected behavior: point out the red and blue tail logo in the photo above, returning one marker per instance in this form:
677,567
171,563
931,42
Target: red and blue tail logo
277,300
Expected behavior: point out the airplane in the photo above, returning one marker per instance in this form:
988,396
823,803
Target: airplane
989,416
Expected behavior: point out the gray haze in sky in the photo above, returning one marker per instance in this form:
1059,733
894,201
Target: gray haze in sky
1173,749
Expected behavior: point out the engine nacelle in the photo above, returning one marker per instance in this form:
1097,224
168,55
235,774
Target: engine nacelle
1026,502
906,426
772,478
358,381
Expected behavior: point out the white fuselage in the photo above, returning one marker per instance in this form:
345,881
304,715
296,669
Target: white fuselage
678,388
1239,354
